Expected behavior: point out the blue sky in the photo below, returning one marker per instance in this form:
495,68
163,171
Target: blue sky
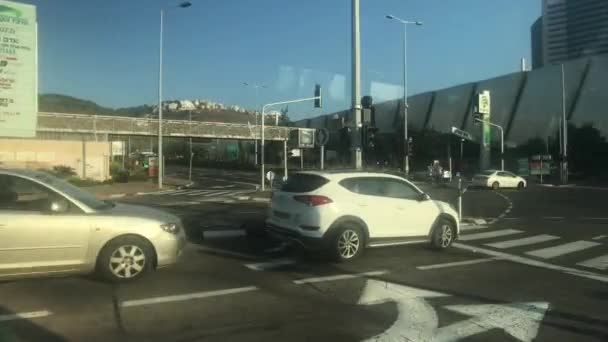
107,50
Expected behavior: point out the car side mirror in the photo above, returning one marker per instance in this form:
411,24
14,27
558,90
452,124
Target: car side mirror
59,206
423,197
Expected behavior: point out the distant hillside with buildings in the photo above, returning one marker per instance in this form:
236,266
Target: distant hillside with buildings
200,110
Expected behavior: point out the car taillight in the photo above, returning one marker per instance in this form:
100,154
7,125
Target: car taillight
313,200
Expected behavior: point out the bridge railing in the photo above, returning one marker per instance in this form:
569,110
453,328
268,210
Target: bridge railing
118,125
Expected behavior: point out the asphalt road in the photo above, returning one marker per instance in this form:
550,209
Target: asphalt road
539,273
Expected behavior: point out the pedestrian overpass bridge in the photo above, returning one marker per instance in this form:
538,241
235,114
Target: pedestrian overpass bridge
65,125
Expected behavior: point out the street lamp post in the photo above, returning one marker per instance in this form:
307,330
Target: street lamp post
161,166
191,154
502,141
406,161
256,87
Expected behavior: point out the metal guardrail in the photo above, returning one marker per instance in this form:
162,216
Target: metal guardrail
120,125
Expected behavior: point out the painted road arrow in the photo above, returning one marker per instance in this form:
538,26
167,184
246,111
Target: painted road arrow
520,320
417,319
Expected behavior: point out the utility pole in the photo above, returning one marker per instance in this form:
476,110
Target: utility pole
191,154
356,88
160,104
565,130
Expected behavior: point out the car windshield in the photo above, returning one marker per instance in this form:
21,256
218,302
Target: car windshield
72,191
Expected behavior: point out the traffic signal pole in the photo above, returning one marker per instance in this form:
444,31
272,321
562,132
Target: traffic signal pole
262,144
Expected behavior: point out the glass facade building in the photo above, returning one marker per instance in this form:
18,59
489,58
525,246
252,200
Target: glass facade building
569,29
527,104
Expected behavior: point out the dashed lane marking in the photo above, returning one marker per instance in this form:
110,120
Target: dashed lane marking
600,237
185,297
338,277
456,264
532,262
567,248
487,235
553,217
523,242
25,315
270,265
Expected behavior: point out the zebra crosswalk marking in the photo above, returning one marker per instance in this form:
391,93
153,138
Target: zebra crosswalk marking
523,241
599,263
567,248
487,235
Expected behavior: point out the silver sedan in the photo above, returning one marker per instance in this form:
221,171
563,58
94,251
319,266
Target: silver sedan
49,227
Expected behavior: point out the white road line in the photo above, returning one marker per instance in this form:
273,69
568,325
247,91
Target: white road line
465,227
216,193
455,264
532,262
218,234
338,277
179,192
595,218
600,237
164,192
185,297
523,242
600,263
487,235
553,217
265,266
25,315
567,248
198,192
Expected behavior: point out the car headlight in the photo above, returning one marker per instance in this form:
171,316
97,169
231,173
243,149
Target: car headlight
170,227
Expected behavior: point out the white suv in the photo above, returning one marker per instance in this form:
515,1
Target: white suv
344,212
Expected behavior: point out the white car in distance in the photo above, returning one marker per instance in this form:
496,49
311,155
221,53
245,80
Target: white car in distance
499,179
344,212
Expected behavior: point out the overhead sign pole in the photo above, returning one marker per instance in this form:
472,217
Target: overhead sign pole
18,64
317,98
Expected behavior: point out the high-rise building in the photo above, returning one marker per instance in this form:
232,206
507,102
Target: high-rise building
537,43
570,29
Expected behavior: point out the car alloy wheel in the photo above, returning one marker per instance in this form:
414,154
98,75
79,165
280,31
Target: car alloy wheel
127,261
348,244
446,235
443,234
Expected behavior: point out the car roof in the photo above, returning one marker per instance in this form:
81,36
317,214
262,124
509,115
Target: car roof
337,175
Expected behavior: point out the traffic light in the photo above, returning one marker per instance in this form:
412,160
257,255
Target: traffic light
370,137
410,146
318,98
367,102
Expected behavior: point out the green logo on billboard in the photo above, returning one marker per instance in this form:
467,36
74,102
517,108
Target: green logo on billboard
6,10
